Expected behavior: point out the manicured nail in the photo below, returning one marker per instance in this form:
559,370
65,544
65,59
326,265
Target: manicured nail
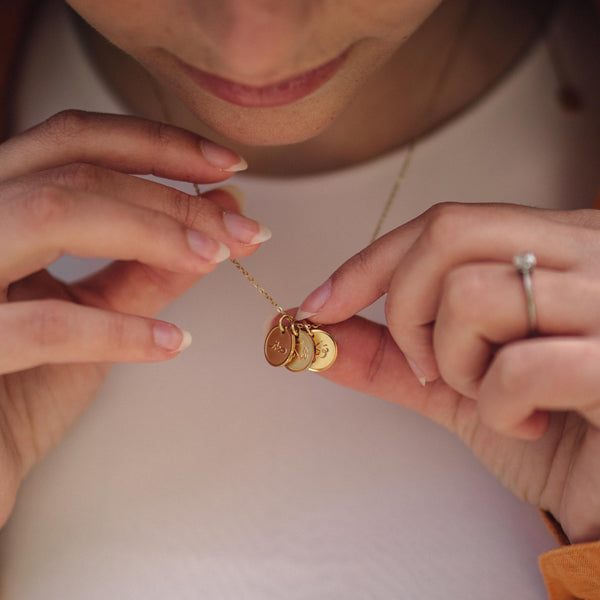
246,230
171,338
209,249
236,193
222,158
417,371
314,302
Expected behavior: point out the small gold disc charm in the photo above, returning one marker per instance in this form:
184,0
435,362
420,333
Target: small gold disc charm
325,350
304,353
279,346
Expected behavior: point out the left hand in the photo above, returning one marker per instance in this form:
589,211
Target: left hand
528,407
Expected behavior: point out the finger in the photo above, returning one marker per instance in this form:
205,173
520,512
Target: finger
369,361
362,279
483,306
367,275
201,213
529,378
455,235
410,263
143,289
138,288
36,230
123,143
37,286
127,286
52,331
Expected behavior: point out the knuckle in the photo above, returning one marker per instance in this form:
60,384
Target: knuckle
66,124
46,206
160,133
362,265
184,209
362,261
83,176
443,222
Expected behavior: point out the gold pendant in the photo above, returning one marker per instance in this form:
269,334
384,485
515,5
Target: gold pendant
304,352
325,350
299,346
280,344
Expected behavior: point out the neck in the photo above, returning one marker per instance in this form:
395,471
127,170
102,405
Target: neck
458,54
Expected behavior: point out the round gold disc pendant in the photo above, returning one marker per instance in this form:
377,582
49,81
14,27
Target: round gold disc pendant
279,346
304,353
325,351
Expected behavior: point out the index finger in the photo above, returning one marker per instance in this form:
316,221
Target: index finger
362,279
122,143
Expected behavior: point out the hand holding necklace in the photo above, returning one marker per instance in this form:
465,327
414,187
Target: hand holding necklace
457,317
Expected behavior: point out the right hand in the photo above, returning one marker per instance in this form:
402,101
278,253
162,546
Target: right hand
66,187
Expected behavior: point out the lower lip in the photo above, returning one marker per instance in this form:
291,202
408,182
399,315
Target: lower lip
278,94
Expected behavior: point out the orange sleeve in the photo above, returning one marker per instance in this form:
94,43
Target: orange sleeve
571,572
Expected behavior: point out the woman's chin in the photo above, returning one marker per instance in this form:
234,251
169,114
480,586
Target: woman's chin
278,126
251,131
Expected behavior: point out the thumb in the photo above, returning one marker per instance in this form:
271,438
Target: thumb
369,361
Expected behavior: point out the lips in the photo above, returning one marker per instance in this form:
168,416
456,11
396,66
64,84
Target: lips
280,93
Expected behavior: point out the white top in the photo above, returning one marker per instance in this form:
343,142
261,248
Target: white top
216,476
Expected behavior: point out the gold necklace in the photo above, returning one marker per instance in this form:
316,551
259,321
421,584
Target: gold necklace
301,345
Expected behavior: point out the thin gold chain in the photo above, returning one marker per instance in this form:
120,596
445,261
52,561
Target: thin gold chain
395,188
408,156
257,285
247,275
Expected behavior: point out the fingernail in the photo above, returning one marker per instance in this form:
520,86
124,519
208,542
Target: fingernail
209,249
171,338
236,193
314,302
222,158
246,230
417,371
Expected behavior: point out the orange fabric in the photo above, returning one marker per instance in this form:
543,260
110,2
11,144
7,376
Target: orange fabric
572,572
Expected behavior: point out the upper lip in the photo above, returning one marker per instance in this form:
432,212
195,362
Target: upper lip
270,85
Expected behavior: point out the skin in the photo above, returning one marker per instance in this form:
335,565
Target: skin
527,407
372,105
539,437
259,43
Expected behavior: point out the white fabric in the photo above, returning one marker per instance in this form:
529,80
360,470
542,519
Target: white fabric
216,476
